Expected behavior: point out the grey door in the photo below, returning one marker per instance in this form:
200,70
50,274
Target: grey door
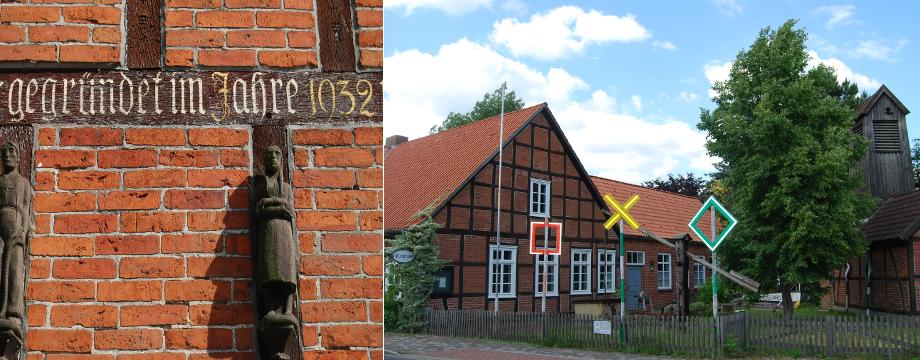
633,286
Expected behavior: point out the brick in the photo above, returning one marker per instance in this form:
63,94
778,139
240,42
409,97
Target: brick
376,312
189,158
191,243
217,220
125,339
44,181
373,265
84,268
369,136
36,314
65,356
243,338
370,178
219,266
346,199
107,35
89,53
371,220
230,157
127,158
90,136
92,15
64,202
28,53
307,242
152,221
12,33
39,268
30,14
370,38
238,244
88,180
307,289
341,157
158,178
370,18
322,137
255,38
228,355
198,4
328,265
60,291
61,246
287,58
42,223
369,3
199,339
155,136
325,178
194,199
284,19
218,136
371,58
347,243
149,315
70,340
366,335
298,4
180,57
344,288
151,267
333,311
301,39
241,290
303,199
326,220
197,290
302,157
178,18
197,38
217,178
221,314
311,339
238,4
64,159
84,223
127,245
121,290
152,356
55,33
224,19
84,315
46,136
129,200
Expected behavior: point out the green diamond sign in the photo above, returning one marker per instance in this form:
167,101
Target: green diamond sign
713,241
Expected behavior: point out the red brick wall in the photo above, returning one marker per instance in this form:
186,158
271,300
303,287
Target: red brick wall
889,281
370,33
142,249
80,31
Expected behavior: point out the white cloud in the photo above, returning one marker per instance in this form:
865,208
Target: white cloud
513,6
667,45
636,102
844,72
451,7
837,15
608,140
716,71
878,49
687,97
563,31
729,7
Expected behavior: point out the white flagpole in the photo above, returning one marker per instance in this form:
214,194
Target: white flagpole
498,190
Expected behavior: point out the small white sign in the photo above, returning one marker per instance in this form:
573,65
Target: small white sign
602,327
403,256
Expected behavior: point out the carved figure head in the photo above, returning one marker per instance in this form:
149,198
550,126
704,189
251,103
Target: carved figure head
10,156
272,160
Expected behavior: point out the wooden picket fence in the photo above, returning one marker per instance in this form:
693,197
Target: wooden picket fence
879,335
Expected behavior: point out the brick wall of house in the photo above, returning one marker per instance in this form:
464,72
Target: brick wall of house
142,249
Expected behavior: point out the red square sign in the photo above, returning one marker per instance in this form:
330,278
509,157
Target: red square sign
538,243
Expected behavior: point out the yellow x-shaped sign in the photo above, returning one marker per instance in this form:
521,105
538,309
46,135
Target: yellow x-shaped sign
621,211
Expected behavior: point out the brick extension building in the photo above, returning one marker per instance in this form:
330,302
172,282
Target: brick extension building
141,247
541,176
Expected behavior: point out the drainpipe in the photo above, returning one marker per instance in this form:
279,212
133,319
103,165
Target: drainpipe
846,285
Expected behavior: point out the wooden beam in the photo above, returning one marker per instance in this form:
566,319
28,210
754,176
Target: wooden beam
336,36
144,34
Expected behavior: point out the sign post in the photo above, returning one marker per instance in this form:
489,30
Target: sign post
712,242
621,213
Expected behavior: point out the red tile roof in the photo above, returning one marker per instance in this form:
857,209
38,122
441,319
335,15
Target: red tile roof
427,170
897,218
664,213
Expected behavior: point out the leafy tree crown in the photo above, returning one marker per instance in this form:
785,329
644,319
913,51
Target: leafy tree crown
490,105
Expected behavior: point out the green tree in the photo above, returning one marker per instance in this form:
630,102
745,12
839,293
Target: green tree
689,184
490,105
411,283
782,132
915,158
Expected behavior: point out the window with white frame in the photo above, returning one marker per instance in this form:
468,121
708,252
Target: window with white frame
552,275
606,263
539,198
635,258
699,274
502,271
664,271
581,271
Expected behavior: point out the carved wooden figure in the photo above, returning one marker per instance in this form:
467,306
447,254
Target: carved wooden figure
276,253
16,229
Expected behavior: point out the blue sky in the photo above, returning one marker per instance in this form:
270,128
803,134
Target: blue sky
625,79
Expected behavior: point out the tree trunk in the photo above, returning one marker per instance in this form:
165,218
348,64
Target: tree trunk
787,301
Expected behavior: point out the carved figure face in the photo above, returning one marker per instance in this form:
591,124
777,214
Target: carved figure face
272,160
10,156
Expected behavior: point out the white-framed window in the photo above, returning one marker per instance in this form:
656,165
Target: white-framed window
502,271
606,265
664,271
699,274
539,198
581,271
635,258
552,275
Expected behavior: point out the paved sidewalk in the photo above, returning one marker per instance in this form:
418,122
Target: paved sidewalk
426,347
